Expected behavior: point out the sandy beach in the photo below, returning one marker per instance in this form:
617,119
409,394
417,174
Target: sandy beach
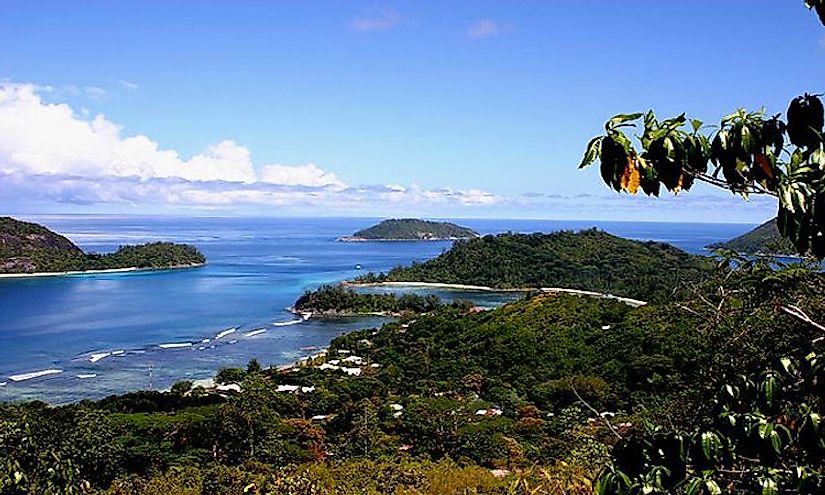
483,288
95,272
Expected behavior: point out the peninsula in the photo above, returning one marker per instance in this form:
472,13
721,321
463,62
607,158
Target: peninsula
338,301
30,249
412,229
589,260
763,240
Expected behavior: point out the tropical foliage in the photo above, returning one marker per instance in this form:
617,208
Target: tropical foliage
530,388
337,300
589,259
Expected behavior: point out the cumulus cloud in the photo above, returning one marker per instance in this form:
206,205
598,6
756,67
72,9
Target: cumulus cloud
308,175
486,28
48,152
382,19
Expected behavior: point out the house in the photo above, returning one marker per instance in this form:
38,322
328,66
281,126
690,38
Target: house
351,371
229,387
489,412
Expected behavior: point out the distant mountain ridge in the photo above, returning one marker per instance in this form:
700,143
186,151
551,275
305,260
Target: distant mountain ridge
27,247
412,229
764,239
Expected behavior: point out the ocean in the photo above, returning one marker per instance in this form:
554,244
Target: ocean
113,333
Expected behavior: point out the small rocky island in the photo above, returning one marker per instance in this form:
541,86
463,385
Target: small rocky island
763,240
29,249
412,229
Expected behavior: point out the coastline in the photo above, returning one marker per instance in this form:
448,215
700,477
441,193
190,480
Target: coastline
96,272
482,288
436,285
411,239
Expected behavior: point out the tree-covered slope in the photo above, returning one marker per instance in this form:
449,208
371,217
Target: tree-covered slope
589,259
31,248
764,239
335,300
412,229
501,389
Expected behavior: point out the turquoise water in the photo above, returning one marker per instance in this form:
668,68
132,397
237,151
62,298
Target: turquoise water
257,267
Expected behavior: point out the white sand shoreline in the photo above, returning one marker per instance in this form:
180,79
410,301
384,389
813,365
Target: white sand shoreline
482,288
95,272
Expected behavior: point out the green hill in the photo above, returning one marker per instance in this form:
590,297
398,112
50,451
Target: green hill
412,229
764,239
589,260
31,248
528,387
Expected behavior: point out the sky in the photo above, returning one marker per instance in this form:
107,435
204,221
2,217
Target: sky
361,108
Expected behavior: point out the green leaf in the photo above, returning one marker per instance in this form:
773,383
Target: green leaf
696,124
771,387
768,486
621,119
713,487
711,446
592,152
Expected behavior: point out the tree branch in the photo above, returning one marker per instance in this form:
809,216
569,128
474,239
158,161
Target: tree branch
595,411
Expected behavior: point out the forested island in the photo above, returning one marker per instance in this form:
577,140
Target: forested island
763,240
589,259
29,248
411,229
544,393
335,300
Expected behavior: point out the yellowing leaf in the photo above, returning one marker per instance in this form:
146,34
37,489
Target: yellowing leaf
630,176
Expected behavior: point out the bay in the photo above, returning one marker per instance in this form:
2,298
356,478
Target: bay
257,268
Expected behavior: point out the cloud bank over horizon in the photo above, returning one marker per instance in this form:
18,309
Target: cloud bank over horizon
50,153
55,159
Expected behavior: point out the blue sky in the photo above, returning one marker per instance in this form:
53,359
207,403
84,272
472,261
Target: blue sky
474,108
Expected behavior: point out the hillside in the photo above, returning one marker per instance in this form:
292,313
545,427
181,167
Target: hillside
334,300
589,259
31,248
764,239
430,405
411,229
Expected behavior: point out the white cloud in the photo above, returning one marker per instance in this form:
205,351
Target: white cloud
50,153
383,19
130,85
486,28
304,175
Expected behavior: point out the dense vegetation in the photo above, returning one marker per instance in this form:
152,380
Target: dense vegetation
589,259
764,239
338,301
31,248
412,229
451,395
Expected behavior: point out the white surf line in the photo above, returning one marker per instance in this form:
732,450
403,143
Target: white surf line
254,332
175,345
287,323
34,374
97,356
228,331
84,376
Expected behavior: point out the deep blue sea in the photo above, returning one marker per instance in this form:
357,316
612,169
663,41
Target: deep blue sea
257,267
